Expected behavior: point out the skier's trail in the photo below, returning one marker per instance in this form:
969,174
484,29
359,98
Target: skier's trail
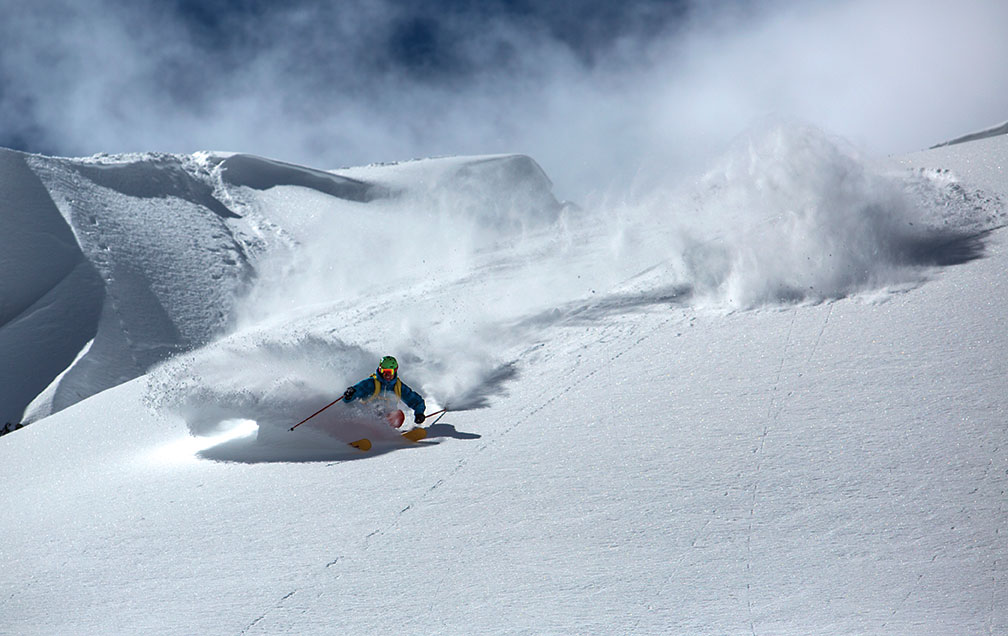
819,337
774,409
796,337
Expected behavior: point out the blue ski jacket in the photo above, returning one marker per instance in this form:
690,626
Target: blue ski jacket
377,387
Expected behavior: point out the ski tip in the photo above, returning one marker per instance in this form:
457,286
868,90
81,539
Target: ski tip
362,444
415,435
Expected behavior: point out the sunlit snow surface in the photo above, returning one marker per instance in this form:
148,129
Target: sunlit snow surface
189,447
768,400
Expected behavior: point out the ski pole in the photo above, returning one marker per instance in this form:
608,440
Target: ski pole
440,414
316,412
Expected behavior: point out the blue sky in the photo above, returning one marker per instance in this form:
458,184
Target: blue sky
595,91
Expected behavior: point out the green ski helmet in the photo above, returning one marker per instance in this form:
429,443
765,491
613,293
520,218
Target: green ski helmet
388,367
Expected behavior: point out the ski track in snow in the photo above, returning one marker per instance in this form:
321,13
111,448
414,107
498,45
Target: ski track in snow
989,475
777,403
774,408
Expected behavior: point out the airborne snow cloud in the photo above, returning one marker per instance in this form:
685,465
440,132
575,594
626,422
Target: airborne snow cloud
376,81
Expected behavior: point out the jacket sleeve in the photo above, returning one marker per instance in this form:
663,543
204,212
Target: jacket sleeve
413,399
363,390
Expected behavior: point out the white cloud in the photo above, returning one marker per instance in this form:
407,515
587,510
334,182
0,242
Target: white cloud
317,87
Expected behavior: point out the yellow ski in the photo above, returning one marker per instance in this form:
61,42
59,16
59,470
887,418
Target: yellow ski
415,435
362,444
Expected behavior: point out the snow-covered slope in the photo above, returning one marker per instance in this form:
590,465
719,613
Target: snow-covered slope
769,401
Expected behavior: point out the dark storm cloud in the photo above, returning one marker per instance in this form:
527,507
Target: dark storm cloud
596,92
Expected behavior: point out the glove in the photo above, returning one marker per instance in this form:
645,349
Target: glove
348,395
419,418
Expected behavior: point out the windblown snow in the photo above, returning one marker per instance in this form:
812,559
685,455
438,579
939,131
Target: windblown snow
708,407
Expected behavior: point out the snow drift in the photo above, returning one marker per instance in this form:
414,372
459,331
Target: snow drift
163,259
51,295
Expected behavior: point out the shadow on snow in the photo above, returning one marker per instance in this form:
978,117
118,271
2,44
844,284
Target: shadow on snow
306,445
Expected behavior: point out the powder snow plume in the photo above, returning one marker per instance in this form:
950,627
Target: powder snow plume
791,214
460,279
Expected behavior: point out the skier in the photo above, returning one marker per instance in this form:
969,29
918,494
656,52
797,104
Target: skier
385,385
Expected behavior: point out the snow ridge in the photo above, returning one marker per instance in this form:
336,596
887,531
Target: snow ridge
993,131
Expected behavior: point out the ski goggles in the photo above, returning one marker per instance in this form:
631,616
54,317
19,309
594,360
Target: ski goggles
388,374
